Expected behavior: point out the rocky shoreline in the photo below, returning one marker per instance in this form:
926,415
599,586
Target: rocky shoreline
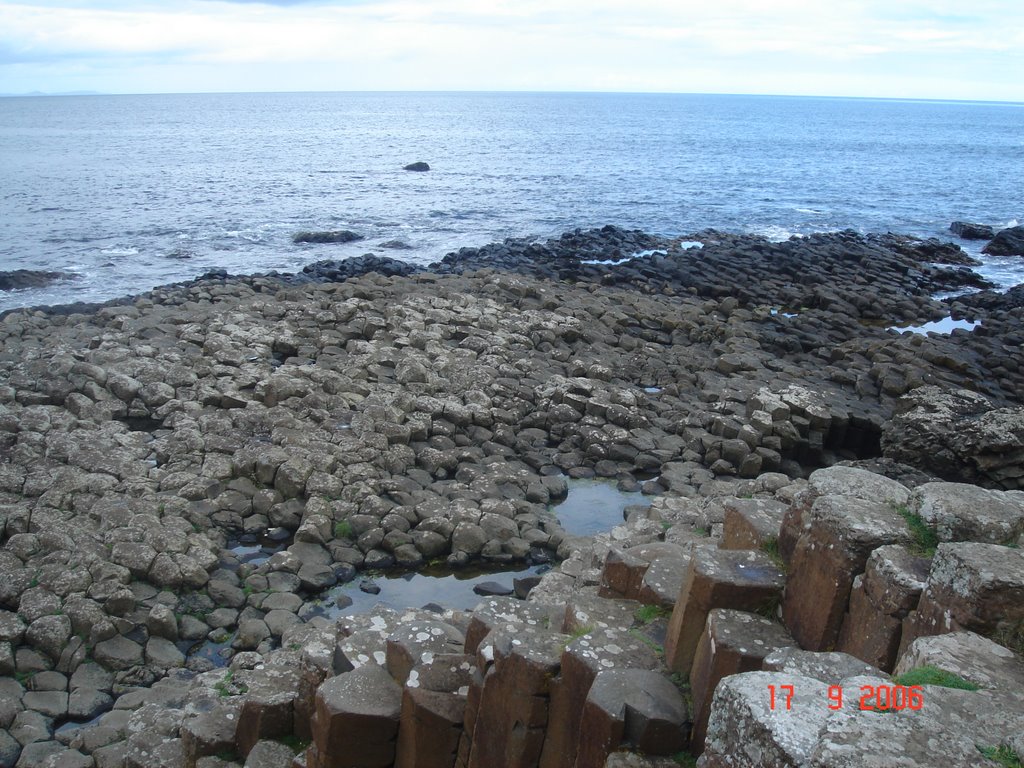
372,414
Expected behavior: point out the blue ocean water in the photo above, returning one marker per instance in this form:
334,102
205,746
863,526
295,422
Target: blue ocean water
129,192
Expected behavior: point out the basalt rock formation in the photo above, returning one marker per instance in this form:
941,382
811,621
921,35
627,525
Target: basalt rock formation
370,414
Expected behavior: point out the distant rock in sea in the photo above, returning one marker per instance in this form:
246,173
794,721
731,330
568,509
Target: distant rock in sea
335,236
29,278
1007,242
421,166
969,231
396,245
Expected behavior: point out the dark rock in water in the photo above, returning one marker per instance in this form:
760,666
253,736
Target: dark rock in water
335,236
433,608
278,534
523,587
493,589
369,586
421,166
396,245
343,601
29,278
337,271
344,572
932,249
969,231
994,301
1007,242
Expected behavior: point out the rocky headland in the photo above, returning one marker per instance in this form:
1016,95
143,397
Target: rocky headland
831,502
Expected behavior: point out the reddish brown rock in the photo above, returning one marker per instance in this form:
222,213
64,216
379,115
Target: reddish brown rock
733,642
430,728
507,709
622,575
879,602
356,720
601,649
840,534
740,579
635,708
751,523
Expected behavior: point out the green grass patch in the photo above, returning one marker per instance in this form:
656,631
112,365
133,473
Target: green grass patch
770,547
343,530
684,759
1004,755
227,686
657,648
935,676
294,743
924,538
645,614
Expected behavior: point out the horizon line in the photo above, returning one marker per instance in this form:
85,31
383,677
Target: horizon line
467,91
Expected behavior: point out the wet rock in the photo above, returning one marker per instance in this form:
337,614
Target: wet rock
1007,242
492,589
333,236
418,166
29,278
969,231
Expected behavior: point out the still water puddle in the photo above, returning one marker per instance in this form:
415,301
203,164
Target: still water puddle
946,325
595,506
440,586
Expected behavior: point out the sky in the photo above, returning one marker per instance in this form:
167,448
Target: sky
933,49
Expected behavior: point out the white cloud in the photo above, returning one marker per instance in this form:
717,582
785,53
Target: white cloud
786,46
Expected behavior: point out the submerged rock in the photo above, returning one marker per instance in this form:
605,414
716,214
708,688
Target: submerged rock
30,278
969,231
334,236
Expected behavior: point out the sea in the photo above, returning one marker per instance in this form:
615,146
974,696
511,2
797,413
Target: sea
126,193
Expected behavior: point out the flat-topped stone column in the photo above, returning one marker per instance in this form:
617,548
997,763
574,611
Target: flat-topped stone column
740,579
733,642
971,586
881,599
840,534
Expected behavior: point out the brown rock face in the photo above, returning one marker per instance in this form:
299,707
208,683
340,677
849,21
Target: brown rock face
507,710
356,720
750,523
879,602
733,642
601,649
430,729
635,707
839,536
744,580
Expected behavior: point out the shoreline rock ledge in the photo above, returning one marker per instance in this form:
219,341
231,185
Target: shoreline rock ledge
814,581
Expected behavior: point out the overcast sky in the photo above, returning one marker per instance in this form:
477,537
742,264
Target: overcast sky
939,49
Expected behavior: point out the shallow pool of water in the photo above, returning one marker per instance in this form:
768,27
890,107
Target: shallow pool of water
595,506
441,586
945,325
